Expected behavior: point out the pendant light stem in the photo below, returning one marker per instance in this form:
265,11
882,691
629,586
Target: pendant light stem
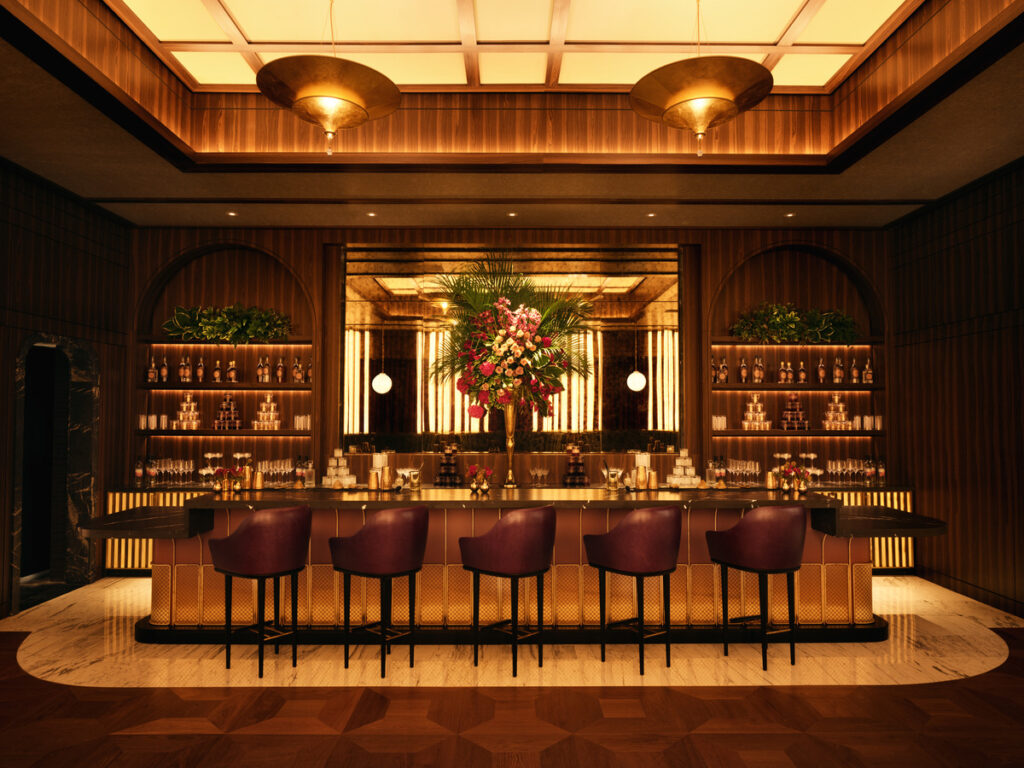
698,28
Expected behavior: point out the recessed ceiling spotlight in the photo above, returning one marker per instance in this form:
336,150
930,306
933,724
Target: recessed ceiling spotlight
512,214
651,215
790,215
371,214
232,213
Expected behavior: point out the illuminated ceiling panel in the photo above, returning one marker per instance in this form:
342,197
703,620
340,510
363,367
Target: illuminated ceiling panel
848,21
404,68
807,69
725,21
523,68
521,21
180,20
618,68
217,68
354,20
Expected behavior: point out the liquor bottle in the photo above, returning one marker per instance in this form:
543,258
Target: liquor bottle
151,374
743,370
188,369
781,376
139,474
854,372
723,372
297,372
789,373
821,370
801,375
279,371
181,369
217,375
259,370
758,370
232,371
200,370
164,370
869,375
838,372
714,370
309,372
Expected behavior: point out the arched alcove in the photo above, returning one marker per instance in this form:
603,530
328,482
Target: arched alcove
224,274
807,276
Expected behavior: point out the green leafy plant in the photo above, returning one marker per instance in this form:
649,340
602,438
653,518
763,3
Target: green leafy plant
772,323
228,325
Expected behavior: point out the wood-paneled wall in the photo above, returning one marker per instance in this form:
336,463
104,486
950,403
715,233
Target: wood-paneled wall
65,275
957,362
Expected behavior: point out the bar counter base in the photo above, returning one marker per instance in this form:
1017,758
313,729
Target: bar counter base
876,631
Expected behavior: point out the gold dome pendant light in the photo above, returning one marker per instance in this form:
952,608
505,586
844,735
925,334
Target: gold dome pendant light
700,93
330,92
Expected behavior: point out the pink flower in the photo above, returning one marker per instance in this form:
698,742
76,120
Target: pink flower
486,368
545,341
475,412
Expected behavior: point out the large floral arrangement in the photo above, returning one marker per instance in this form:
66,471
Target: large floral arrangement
511,342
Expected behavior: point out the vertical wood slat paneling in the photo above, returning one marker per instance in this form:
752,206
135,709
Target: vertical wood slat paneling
956,371
64,272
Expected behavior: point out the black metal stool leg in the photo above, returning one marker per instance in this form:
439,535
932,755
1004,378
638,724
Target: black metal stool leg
227,621
383,626
295,619
762,590
346,593
725,608
601,608
412,616
261,609
791,599
665,587
277,613
640,618
540,620
476,618
515,624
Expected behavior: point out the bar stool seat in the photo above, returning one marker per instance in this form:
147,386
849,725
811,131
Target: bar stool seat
520,545
268,544
644,543
390,545
765,540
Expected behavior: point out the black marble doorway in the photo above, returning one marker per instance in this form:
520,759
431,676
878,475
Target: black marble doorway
55,467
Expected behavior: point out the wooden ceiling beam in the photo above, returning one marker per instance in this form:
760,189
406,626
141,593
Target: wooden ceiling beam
556,41
467,32
230,28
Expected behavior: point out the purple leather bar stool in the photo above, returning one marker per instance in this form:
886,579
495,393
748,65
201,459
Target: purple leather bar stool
521,544
644,543
766,540
269,544
390,545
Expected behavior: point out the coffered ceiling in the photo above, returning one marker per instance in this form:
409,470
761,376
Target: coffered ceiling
467,45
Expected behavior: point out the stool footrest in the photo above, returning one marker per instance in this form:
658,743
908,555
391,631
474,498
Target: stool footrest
505,626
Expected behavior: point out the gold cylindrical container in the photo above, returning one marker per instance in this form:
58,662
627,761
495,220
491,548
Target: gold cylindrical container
652,479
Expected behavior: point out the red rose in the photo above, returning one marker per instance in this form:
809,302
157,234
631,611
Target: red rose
483,397
486,368
545,341
476,412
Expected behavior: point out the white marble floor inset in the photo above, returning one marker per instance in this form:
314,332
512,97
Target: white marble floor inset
86,638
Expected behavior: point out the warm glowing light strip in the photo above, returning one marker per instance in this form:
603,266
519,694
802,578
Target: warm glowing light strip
432,386
600,382
419,382
591,381
650,380
365,427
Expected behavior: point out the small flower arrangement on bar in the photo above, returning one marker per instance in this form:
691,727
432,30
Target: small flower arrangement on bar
788,475
225,478
479,478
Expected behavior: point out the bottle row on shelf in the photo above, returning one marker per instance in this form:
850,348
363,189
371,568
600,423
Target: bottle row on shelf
228,416
266,372
758,373
242,473
794,417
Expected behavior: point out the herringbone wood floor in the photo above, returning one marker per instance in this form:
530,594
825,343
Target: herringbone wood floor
976,722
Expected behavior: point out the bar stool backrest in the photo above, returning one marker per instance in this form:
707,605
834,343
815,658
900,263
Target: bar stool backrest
267,542
521,543
646,541
769,539
392,542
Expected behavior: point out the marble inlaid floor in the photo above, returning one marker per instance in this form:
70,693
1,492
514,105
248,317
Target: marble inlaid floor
85,638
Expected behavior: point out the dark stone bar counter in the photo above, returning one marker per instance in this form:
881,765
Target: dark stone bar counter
833,584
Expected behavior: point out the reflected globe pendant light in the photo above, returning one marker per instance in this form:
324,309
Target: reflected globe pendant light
700,93
636,381
327,91
381,383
